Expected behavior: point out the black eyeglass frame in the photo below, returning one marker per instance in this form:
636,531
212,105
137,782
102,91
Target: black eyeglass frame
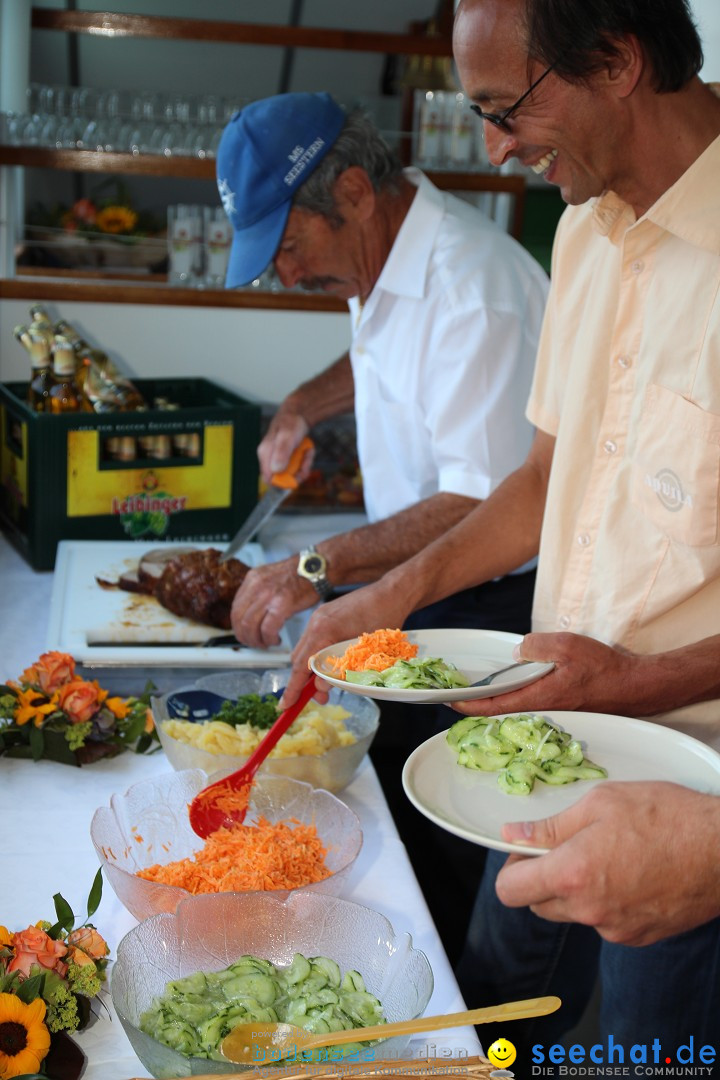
500,120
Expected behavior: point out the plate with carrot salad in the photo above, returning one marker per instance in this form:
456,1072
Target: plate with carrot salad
425,666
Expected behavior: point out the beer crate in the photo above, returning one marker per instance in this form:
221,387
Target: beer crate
185,473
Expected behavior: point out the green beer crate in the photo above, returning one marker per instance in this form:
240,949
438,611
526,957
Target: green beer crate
187,473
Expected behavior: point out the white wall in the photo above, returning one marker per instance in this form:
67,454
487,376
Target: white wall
707,16
257,353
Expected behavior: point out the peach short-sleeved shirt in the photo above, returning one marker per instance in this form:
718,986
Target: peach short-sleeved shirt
628,381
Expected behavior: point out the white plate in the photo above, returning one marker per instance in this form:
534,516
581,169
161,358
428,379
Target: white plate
469,803
476,653
85,618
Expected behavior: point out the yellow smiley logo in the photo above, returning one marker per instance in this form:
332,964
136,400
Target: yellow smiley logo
502,1053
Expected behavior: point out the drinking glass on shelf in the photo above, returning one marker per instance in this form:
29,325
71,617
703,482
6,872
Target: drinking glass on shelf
185,244
218,238
149,111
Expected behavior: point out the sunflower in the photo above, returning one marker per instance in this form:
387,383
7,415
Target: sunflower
29,710
116,219
24,1039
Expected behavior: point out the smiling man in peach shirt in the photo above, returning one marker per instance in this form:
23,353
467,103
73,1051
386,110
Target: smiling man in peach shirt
620,492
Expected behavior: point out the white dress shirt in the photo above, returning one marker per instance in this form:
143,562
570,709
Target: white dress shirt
442,356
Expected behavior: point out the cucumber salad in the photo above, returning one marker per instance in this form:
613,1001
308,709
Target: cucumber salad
521,749
414,674
195,1013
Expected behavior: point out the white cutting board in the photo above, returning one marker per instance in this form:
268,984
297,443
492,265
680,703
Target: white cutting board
85,617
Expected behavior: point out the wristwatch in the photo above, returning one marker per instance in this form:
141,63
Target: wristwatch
312,566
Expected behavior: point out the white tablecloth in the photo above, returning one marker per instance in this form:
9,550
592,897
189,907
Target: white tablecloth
45,846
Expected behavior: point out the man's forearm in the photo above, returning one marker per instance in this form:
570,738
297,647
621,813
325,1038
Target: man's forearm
671,680
328,394
365,554
500,535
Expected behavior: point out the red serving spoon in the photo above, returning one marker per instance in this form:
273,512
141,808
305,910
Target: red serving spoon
207,813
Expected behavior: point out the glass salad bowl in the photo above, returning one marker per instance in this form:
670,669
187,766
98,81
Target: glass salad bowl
208,933
332,769
149,824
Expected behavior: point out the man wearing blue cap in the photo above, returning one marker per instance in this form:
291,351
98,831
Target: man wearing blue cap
445,317
446,311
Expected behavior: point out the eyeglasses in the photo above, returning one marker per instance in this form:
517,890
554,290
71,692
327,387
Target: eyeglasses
500,120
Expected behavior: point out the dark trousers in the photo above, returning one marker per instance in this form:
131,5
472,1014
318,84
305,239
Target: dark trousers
669,991
448,868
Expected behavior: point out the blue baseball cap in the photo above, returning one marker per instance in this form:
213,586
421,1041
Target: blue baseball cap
266,152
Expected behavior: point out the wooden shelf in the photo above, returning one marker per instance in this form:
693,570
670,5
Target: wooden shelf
62,285
107,24
42,286
40,157
204,168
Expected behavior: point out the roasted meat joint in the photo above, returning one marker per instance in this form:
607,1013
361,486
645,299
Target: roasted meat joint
190,582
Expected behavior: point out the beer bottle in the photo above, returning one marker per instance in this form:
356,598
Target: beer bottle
41,377
67,330
38,314
41,323
63,394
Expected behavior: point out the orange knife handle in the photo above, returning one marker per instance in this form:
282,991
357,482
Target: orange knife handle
288,477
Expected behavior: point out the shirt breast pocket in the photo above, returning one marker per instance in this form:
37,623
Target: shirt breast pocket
676,468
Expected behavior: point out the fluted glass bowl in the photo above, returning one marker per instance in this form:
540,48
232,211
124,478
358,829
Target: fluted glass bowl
149,824
332,770
207,933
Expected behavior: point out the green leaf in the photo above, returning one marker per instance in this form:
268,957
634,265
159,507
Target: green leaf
95,894
57,749
18,751
8,982
37,742
31,988
64,912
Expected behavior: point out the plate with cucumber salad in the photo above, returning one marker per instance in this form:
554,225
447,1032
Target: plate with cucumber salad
425,666
485,771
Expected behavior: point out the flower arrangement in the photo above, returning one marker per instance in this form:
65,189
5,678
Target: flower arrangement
49,973
101,229
98,215
52,712
111,218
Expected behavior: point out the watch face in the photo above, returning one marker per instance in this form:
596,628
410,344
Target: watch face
313,564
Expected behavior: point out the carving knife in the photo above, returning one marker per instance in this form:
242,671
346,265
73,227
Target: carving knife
282,484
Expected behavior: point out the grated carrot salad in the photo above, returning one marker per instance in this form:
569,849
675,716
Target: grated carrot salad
261,856
375,651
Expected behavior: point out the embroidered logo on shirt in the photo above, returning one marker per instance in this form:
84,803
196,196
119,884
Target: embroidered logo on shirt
668,488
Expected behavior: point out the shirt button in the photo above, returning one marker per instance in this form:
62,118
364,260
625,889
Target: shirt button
624,361
610,447
583,539
638,266
564,622
359,350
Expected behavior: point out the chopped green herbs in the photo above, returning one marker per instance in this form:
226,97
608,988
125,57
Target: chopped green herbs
260,712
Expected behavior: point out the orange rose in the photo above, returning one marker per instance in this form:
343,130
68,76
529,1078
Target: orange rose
88,939
84,210
77,956
78,700
34,946
51,671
